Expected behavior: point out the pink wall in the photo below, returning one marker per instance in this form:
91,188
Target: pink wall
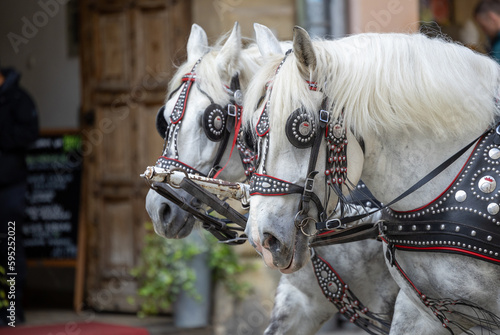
383,16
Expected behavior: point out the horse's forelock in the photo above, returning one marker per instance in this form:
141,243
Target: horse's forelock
207,72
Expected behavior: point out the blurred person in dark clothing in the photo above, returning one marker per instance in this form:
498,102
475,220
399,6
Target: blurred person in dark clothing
18,129
487,15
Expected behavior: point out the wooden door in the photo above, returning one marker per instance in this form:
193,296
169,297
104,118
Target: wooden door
127,49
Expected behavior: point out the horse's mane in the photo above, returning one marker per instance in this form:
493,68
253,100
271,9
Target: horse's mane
207,75
389,82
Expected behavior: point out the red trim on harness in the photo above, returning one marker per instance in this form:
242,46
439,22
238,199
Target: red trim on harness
313,86
189,79
178,161
401,270
476,254
451,184
260,117
269,195
237,126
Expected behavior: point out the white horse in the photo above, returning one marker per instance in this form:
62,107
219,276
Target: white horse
187,145
297,293
394,106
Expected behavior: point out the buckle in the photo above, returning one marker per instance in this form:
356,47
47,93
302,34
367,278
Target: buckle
232,110
329,222
324,116
308,187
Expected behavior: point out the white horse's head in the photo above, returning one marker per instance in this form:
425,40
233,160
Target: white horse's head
194,118
375,86
195,127
292,121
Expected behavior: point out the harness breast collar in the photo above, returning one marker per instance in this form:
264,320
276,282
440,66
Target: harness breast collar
464,219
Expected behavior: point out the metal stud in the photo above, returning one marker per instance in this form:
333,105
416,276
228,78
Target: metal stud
493,208
460,196
494,153
473,233
487,184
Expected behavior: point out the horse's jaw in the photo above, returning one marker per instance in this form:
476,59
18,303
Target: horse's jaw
299,255
275,238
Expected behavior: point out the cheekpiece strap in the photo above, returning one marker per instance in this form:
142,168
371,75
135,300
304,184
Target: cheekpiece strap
336,165
180,106
262,127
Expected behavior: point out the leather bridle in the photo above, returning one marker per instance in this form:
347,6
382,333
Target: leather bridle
219,124
336,172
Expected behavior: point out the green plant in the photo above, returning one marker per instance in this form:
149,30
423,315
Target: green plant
164,271
226,268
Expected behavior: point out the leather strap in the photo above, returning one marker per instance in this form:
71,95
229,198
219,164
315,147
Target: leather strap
216,227
356,233
346,220
213,202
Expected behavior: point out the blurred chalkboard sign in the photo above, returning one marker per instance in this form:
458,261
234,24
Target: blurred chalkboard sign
53,198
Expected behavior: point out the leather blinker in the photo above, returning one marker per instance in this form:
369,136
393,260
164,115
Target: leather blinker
301,129
162,124
214,122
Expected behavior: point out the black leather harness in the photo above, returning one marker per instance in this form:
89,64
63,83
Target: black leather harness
218,124
465,219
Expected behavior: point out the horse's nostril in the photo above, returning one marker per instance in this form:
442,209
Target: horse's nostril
271,243
166,214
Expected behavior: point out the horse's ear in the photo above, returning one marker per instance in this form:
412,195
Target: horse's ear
303,50
266,41
228,57
197,44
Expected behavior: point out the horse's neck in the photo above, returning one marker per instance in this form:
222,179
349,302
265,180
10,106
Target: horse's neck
395,162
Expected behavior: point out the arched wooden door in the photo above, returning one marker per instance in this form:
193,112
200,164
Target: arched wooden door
127,50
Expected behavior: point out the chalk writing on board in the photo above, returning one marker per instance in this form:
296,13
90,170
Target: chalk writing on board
53,197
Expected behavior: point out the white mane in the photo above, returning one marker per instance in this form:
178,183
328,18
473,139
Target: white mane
208,76
390,82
